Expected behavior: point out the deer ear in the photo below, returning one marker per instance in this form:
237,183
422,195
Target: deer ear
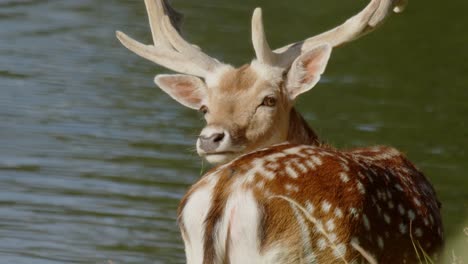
306,70
185,89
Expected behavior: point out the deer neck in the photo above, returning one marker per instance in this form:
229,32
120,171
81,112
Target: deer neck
299,131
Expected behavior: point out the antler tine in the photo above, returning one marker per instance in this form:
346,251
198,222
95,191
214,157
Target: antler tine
159,55
260,43
156,11
170,49
357,26
174,15
384,9
191,52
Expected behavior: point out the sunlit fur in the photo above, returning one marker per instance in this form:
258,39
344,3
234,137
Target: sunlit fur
308,204
234,101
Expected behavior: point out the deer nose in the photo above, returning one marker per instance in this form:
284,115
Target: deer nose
211,142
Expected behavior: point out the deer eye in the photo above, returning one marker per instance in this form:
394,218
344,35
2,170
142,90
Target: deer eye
203,109
269,101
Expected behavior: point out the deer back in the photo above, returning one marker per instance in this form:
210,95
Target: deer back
293,203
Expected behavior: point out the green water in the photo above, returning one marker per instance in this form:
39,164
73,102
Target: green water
94,158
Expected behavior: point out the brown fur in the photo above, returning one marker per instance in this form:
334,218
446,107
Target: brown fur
382,171
299,131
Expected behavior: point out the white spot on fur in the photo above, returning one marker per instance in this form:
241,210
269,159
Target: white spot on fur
338,213
310,164
345,161
366,222
330,225
391,205
418,232
387,154
291,172
310,207
380,242
401,209
344,177
272,165
360,187
344,166
389,194
268,174
382,195
361,176
403,228
319,226
398,187
411,215
369,176
426,222
301,167
376,148
294,151
417,202
379,209
260,185
326,206
321,244
257,168
387,177
387,218
353,212
291,188
340,250
379,194
310,151
317,160
275,156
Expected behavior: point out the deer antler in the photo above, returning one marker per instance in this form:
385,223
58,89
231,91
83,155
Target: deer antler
170,49
357,26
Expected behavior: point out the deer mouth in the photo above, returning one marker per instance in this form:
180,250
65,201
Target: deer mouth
219,157
220,153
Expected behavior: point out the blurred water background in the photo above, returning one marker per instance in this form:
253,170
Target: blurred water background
94,158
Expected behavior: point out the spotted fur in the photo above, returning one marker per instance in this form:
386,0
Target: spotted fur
293,204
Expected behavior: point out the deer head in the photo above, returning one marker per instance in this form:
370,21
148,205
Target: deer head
252,106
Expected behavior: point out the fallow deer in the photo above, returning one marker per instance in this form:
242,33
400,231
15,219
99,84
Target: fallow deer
296,202
249,107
